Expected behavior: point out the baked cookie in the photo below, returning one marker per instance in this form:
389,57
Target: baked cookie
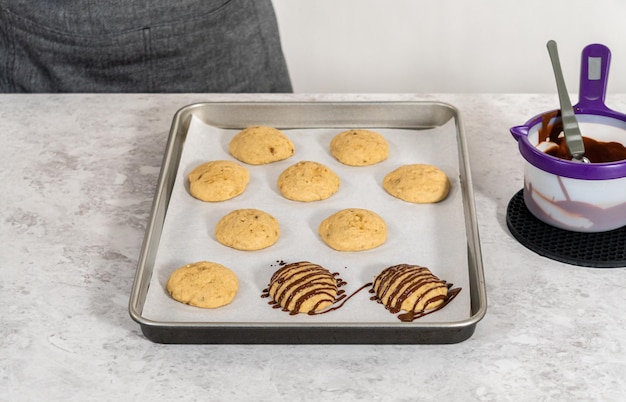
218,180
302,287
258,145
308,181
353,229
247,229
410,288
419,183
203,284
359,147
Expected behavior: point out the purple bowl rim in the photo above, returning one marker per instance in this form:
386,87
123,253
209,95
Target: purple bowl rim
563,167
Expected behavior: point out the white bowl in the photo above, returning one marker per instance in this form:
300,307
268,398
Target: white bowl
571,195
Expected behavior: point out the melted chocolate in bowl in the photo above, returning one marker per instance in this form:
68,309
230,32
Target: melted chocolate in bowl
596,151
578,197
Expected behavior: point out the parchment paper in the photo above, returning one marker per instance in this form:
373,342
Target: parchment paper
431,235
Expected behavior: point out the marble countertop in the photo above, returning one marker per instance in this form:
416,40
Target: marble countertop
78,175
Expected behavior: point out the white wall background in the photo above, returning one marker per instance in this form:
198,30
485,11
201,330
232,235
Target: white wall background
444,46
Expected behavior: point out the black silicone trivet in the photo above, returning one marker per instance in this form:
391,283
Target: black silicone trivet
597,250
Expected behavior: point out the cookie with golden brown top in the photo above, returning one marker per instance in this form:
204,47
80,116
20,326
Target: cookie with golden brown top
258,145
359,147
203,284
218,180
308,181
353,229
417,183
247,229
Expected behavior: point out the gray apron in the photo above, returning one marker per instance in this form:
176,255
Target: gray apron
140,46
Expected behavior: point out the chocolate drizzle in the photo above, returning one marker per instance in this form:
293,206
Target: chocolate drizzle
411,288
413,315
297,283
293,284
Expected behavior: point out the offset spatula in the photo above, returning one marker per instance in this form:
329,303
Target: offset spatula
573,136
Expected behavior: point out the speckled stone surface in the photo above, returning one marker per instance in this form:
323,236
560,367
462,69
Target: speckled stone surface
78,173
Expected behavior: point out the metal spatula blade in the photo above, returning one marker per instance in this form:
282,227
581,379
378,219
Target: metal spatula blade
573,136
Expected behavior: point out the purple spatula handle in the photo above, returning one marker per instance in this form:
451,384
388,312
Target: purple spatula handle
594,75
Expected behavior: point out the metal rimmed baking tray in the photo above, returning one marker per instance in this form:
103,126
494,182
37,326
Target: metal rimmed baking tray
430,122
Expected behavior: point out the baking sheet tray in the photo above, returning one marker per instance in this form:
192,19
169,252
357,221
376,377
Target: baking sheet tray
442,236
